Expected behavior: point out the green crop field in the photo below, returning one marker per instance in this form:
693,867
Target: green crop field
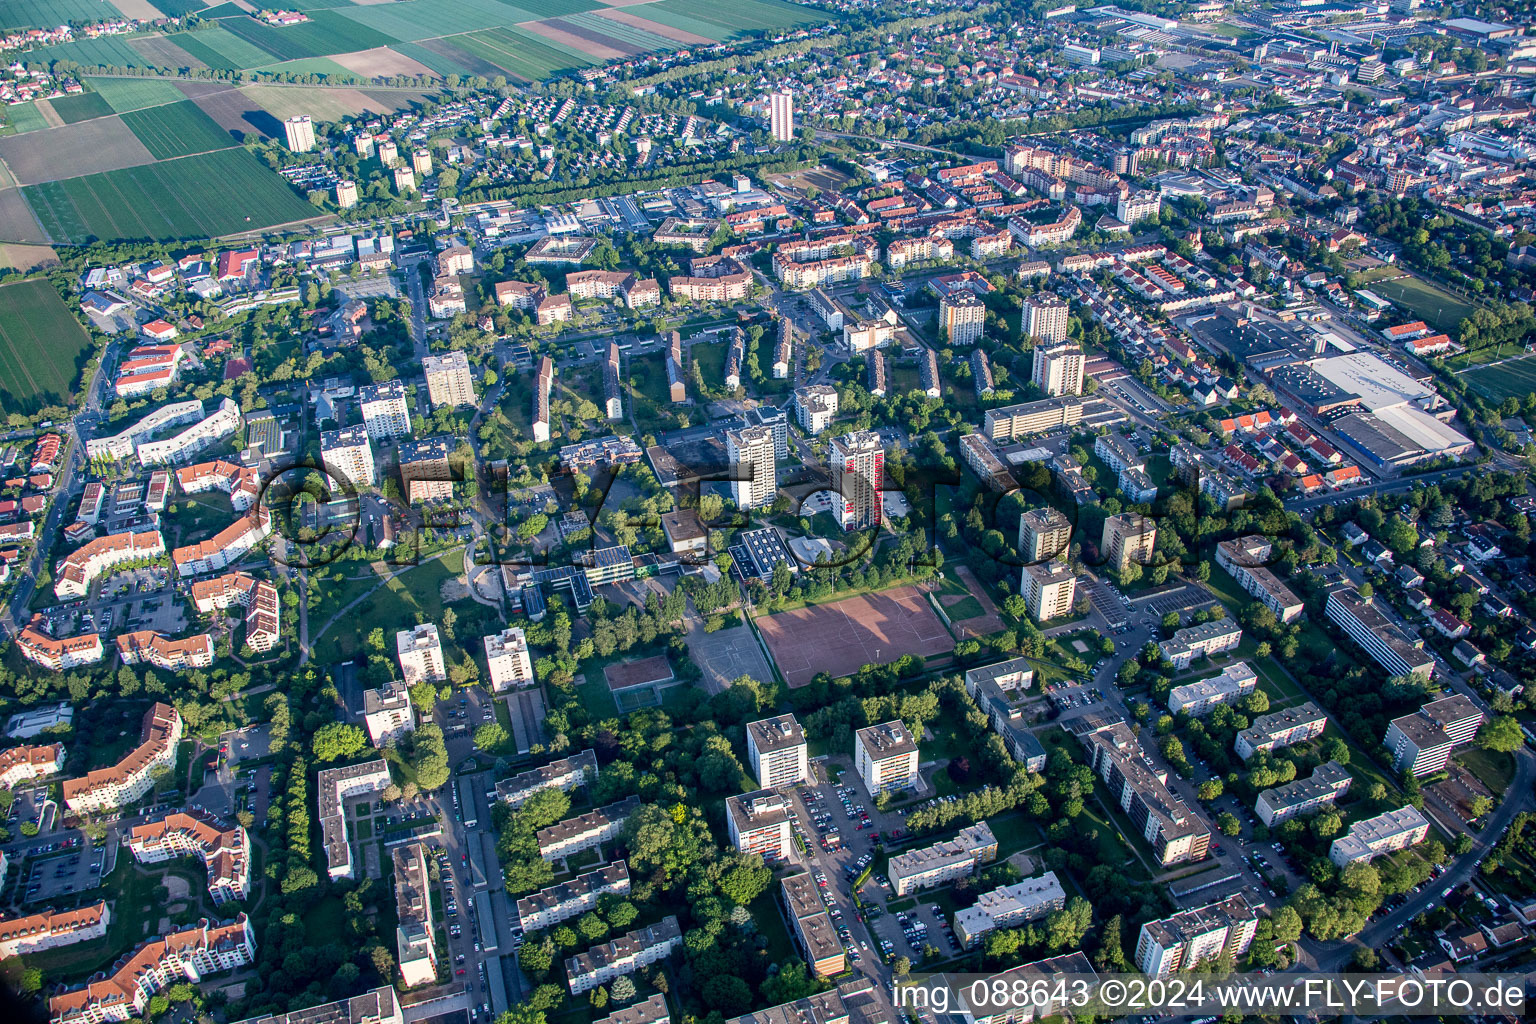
25,117
625,33
1515,377
519,53
40,346
722,21
438,62
85,106
429,19
177,129
219,48
325,33
125,94
177,8
194,197
51,13
90,53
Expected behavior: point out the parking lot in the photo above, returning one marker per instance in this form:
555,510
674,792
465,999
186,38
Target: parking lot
61,867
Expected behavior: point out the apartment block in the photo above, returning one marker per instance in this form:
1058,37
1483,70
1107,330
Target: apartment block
776,752
815,407
1045,318
1244,559
858,473
749,453
386,412
758,822
566,774
813,929
192,954
107,789
1049,588
224,851
335,786
1058,369
1422,742
426,469
651,1010
1205,640
1327,783
508,660
1175,832
885,756
50,929
1189,938
226,547
1007,422
448,379
376,1006
217,425
388,713
1038,990
585,831
990,686
415,948
1044,534
145,646
624,955
677,388
1202,696
58,654
1391,646
79,569
259,599
1009,906
241,483
22,764
347,453
543,382
944,861
1374,837
421,654
962,318
613,392
1284,728
549,906
1129,538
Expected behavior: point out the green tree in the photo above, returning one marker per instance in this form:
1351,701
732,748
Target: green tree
1502,734
336,741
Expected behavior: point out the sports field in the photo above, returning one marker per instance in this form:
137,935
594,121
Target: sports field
176,129
1435,306
841,636
40,346
203,196
1515,377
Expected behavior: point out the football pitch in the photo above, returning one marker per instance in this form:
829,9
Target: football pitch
1515,377
40,346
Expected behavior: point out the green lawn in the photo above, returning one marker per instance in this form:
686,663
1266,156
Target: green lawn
1515,377
412,597
1430,303
1014,832
1494,769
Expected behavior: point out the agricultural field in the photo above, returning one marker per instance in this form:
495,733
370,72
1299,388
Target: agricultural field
204,196
125,94
322,104
41,346
176,129
179,8
219,48
521,54
640,39
429,19
325,33
50,13
434,61
85,106
89,147
106,51
1499,381
726,21
25,117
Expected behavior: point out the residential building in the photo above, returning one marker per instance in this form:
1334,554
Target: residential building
650,1010
758,822
335,787
1044,534
1205,640
1049,589
1039,990
1045,318
942,862
1129,539
1009,906
1175,832
783,349
858,475
388,713
585,831
1284,728
1422,742
376,1006
776,420
1386,833
677,388
624,955
33,761
259,599
1191,937
815,407
1004,423
992,687
1058,369
386,411
1202,696
543,382
300,132
241,483
813,929
41,718
508,660
50,929
149,647
415,945
781,115
1323,787
777,752
206,432
224,851
74,575
346,195
885,756
124,444
1392,647
749,453
426,469
188,955
613,394
421,654
348,454
58,654
962,318
565,900
1244,559
107,789
566,774
448,379
226,547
